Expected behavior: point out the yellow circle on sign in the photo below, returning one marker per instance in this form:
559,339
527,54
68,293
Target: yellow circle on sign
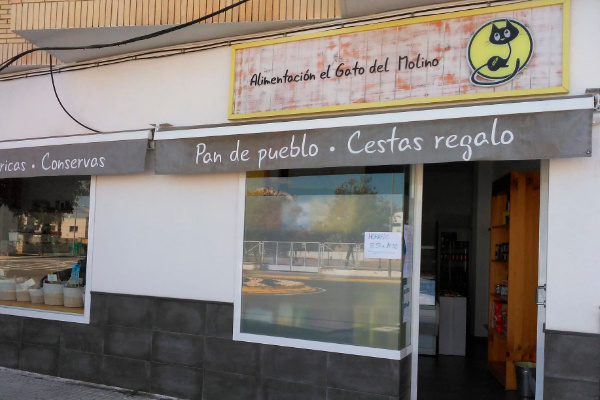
498,51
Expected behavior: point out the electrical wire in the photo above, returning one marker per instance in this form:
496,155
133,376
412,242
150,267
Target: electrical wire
161,32
462,5
11,60
61,104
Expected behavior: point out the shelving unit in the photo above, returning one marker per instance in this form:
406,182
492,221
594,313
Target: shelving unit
518,193
453,260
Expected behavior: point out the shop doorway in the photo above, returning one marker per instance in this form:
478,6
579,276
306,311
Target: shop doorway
479,273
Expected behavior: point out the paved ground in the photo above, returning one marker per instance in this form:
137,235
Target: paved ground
27,386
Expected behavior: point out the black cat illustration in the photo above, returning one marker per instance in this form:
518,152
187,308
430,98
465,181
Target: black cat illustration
499,37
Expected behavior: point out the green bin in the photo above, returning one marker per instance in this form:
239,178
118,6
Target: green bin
74,248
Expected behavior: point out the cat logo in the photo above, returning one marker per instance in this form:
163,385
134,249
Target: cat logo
498,51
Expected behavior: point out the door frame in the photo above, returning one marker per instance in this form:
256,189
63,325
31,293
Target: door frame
417,195
542,276
417,209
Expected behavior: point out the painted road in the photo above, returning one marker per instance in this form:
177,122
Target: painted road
358,312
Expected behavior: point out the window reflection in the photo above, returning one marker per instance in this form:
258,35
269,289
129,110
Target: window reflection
305,275
44,225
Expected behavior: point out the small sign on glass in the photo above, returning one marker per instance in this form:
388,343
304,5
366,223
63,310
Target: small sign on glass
386,245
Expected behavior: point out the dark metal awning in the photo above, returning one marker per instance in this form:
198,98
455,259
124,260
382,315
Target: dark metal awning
97,154
519,130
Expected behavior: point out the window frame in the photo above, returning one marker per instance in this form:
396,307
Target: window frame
60,315
302,343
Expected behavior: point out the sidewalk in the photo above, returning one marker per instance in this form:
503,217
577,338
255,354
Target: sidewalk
23,385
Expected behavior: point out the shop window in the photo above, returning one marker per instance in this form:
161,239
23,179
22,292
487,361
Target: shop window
43,242
306,275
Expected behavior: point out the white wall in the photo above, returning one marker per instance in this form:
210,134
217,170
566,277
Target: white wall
584,55
573,295
573,298
190,89
170,236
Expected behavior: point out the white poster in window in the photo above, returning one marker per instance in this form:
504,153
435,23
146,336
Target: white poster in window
13,236
387,245
408,257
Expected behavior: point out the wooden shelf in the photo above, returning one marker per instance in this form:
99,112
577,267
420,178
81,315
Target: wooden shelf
503,226
499,335
499,297
518,192
26,304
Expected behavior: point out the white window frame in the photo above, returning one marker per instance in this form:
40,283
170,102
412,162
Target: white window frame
416,275
310,344
60,315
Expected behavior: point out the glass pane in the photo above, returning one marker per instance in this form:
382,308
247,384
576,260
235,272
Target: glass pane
306,274
43,242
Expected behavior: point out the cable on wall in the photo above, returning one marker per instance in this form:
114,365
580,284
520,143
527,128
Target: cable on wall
162,32
206,45
61,104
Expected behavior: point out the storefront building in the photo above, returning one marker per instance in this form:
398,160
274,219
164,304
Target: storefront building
299,205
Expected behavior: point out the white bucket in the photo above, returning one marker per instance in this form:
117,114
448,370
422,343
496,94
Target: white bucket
8,290
23,293
53,294
36,295
74,296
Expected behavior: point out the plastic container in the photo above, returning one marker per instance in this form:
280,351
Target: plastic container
36,295
8,290
525,379
23,293
73,297
53,294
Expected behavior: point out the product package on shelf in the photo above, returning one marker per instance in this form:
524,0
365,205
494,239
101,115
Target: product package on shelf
499,317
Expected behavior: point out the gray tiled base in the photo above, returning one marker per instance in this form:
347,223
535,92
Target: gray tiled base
339,394
224,386
171,380
10,354
294,365
362,374
39,359
568,389
282,390
572,366
185,349
80,366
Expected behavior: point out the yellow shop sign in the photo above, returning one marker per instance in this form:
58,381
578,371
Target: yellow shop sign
468,55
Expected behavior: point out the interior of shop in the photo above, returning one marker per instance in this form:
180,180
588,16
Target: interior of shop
44,226
480,231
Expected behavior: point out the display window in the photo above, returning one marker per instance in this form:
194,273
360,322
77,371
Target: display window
326,258
44,232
